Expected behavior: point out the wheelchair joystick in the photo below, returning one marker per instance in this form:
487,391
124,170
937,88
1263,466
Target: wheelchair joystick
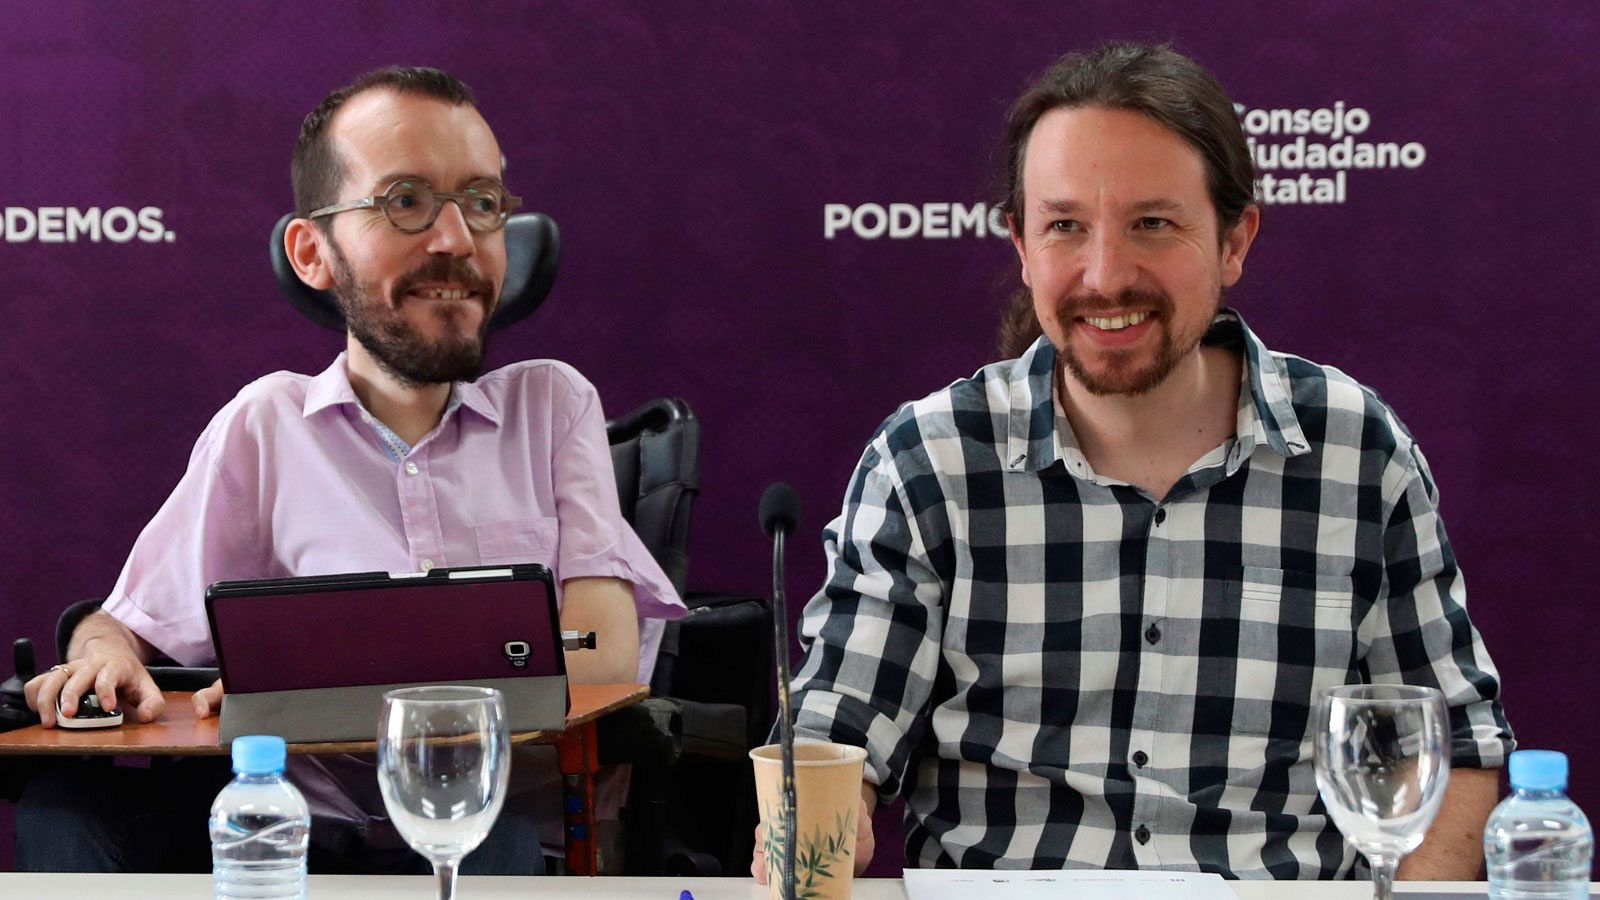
14,711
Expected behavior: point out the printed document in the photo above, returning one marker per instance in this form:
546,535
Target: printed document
1072,884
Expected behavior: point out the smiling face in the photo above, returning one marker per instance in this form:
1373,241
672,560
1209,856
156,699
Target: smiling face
418,303
1120,247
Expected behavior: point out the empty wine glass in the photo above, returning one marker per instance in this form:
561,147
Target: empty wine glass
1383,760
443,762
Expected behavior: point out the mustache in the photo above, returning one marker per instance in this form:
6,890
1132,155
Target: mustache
446,268
1094,303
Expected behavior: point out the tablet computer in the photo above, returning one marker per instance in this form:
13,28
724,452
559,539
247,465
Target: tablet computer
309,658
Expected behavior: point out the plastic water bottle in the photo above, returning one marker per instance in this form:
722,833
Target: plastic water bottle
259,827
1538,844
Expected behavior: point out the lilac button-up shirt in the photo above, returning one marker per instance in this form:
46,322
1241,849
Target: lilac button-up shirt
295,477
292,478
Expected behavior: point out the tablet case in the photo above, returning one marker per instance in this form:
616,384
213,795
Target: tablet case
310,658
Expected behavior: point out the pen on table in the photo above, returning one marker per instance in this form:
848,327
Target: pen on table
685,895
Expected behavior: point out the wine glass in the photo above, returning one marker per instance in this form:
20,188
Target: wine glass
1382,760
443,762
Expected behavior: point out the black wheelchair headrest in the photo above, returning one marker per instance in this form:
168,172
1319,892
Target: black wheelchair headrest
533,251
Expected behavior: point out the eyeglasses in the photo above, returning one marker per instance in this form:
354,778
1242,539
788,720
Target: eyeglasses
412,206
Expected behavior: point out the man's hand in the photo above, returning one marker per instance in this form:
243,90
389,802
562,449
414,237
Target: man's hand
1453,848
866,845
103,656
208,701
113,677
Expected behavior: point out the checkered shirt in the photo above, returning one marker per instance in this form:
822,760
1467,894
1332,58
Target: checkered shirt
1057,670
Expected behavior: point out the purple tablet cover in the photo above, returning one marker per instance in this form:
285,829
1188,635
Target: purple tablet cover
432,630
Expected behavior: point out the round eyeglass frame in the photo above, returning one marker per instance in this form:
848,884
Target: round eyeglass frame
509,204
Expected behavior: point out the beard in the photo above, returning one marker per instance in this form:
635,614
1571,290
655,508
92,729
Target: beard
398,347
1130,372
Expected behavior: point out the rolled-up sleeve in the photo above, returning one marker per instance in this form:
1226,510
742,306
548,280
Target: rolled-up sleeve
206,529
1419,629
595,540
872,633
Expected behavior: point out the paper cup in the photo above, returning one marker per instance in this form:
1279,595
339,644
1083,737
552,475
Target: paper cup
827,789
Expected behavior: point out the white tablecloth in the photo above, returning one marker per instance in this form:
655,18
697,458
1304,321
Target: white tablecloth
357,887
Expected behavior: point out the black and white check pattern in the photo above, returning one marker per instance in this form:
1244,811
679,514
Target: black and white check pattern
1057,670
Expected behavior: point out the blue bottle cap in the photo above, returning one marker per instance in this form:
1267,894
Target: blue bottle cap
258,754
1538,770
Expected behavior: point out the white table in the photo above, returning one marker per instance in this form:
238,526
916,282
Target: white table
418,887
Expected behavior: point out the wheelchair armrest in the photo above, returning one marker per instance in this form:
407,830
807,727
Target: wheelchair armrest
649,733
714,730
183,678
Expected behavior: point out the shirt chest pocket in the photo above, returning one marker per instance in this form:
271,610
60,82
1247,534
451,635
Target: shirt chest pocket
518,541
1296,639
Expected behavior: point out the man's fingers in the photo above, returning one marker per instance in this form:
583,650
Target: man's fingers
150,708
41,691
150,703
866,842
64,687
105,688
758,859
30,690
209,700
78,684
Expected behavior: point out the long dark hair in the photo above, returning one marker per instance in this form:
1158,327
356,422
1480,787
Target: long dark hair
1155,80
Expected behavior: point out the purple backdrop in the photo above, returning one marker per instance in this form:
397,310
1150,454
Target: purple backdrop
689,152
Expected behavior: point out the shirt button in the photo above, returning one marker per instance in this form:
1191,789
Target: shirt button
1161,516
1139,759
427,565
1152,634
1143,835
411,468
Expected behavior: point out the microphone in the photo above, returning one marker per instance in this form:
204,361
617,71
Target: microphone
780,512
779,509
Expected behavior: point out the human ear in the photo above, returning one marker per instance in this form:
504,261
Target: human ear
304,244
1016,241
1236,244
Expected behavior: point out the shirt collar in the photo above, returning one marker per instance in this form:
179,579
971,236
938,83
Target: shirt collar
473,397
1270,420
332,388
1038,436
1031,433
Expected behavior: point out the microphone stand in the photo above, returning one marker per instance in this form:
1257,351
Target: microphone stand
780,624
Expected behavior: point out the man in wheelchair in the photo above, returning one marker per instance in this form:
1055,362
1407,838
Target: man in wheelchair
400,456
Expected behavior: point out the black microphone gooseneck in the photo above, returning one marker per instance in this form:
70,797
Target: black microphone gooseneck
780,512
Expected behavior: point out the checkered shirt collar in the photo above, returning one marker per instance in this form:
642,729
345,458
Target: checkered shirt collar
1039,436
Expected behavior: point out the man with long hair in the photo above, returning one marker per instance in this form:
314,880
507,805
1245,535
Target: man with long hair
1081,605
